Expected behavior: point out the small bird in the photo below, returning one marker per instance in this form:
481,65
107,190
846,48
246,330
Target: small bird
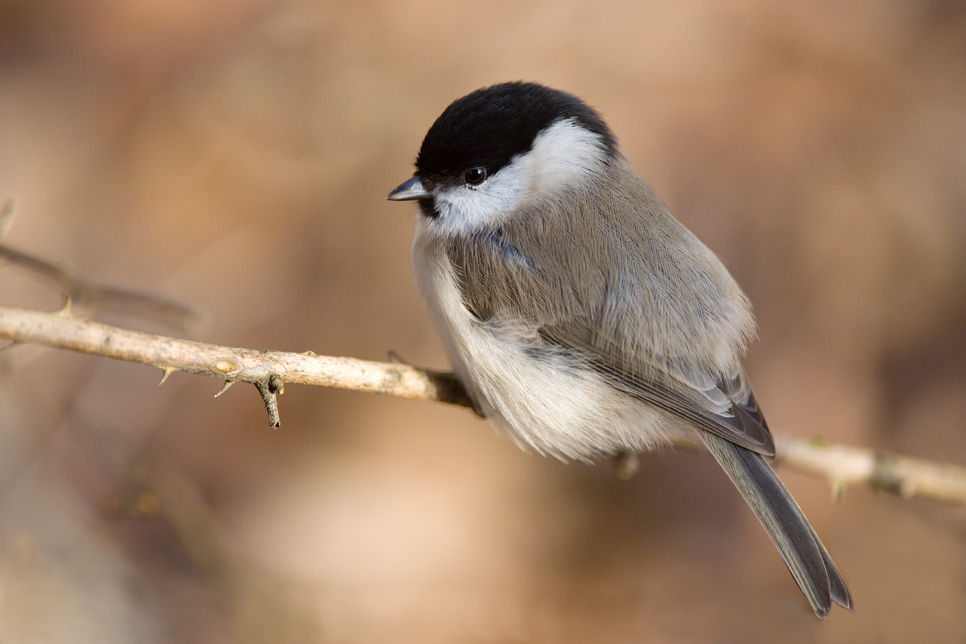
581,317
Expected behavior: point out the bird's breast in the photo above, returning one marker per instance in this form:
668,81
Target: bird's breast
544,397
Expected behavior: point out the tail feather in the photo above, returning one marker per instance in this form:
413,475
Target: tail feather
806,558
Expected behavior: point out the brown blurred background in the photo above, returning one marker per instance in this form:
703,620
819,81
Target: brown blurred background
235,156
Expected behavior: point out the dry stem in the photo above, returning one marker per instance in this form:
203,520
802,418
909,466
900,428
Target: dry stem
840,465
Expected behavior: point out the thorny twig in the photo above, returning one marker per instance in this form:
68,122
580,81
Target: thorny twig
840,465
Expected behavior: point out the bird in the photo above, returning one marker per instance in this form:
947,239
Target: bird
580,316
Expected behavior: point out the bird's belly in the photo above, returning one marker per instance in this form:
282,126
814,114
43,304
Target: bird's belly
543,397
547,400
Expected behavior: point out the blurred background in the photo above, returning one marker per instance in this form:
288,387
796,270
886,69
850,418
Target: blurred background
234,155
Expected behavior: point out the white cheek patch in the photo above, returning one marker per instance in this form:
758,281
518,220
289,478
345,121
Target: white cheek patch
464,209
564,156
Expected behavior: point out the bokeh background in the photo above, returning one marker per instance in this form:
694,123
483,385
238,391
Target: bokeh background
235,156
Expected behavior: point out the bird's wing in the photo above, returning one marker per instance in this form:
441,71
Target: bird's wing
725,408
629,291
640,300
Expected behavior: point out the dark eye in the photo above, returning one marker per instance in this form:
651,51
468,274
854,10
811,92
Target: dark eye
474,176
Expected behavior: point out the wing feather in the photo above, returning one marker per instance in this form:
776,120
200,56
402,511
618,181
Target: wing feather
638,298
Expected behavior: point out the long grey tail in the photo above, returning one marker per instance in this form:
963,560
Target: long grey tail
808,561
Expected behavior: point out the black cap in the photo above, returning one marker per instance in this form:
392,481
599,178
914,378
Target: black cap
490,126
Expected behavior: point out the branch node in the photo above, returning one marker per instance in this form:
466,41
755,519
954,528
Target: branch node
840,465
271,404
228,383
884,476
226,366
167,372
275,384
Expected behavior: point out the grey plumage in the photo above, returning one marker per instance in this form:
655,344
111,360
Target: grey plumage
638,333
806,558
582,318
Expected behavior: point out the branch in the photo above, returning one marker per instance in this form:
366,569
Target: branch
268,370
840,465
90,298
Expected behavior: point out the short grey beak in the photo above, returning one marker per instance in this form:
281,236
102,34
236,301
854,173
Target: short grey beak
412,189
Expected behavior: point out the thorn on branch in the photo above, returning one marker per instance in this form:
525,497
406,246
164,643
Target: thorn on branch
228,383
87,299
6,215
626,463
838,489
841,465
167,372
13,343
271,404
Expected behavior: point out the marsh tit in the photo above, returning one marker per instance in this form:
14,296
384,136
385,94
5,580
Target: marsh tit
579,314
